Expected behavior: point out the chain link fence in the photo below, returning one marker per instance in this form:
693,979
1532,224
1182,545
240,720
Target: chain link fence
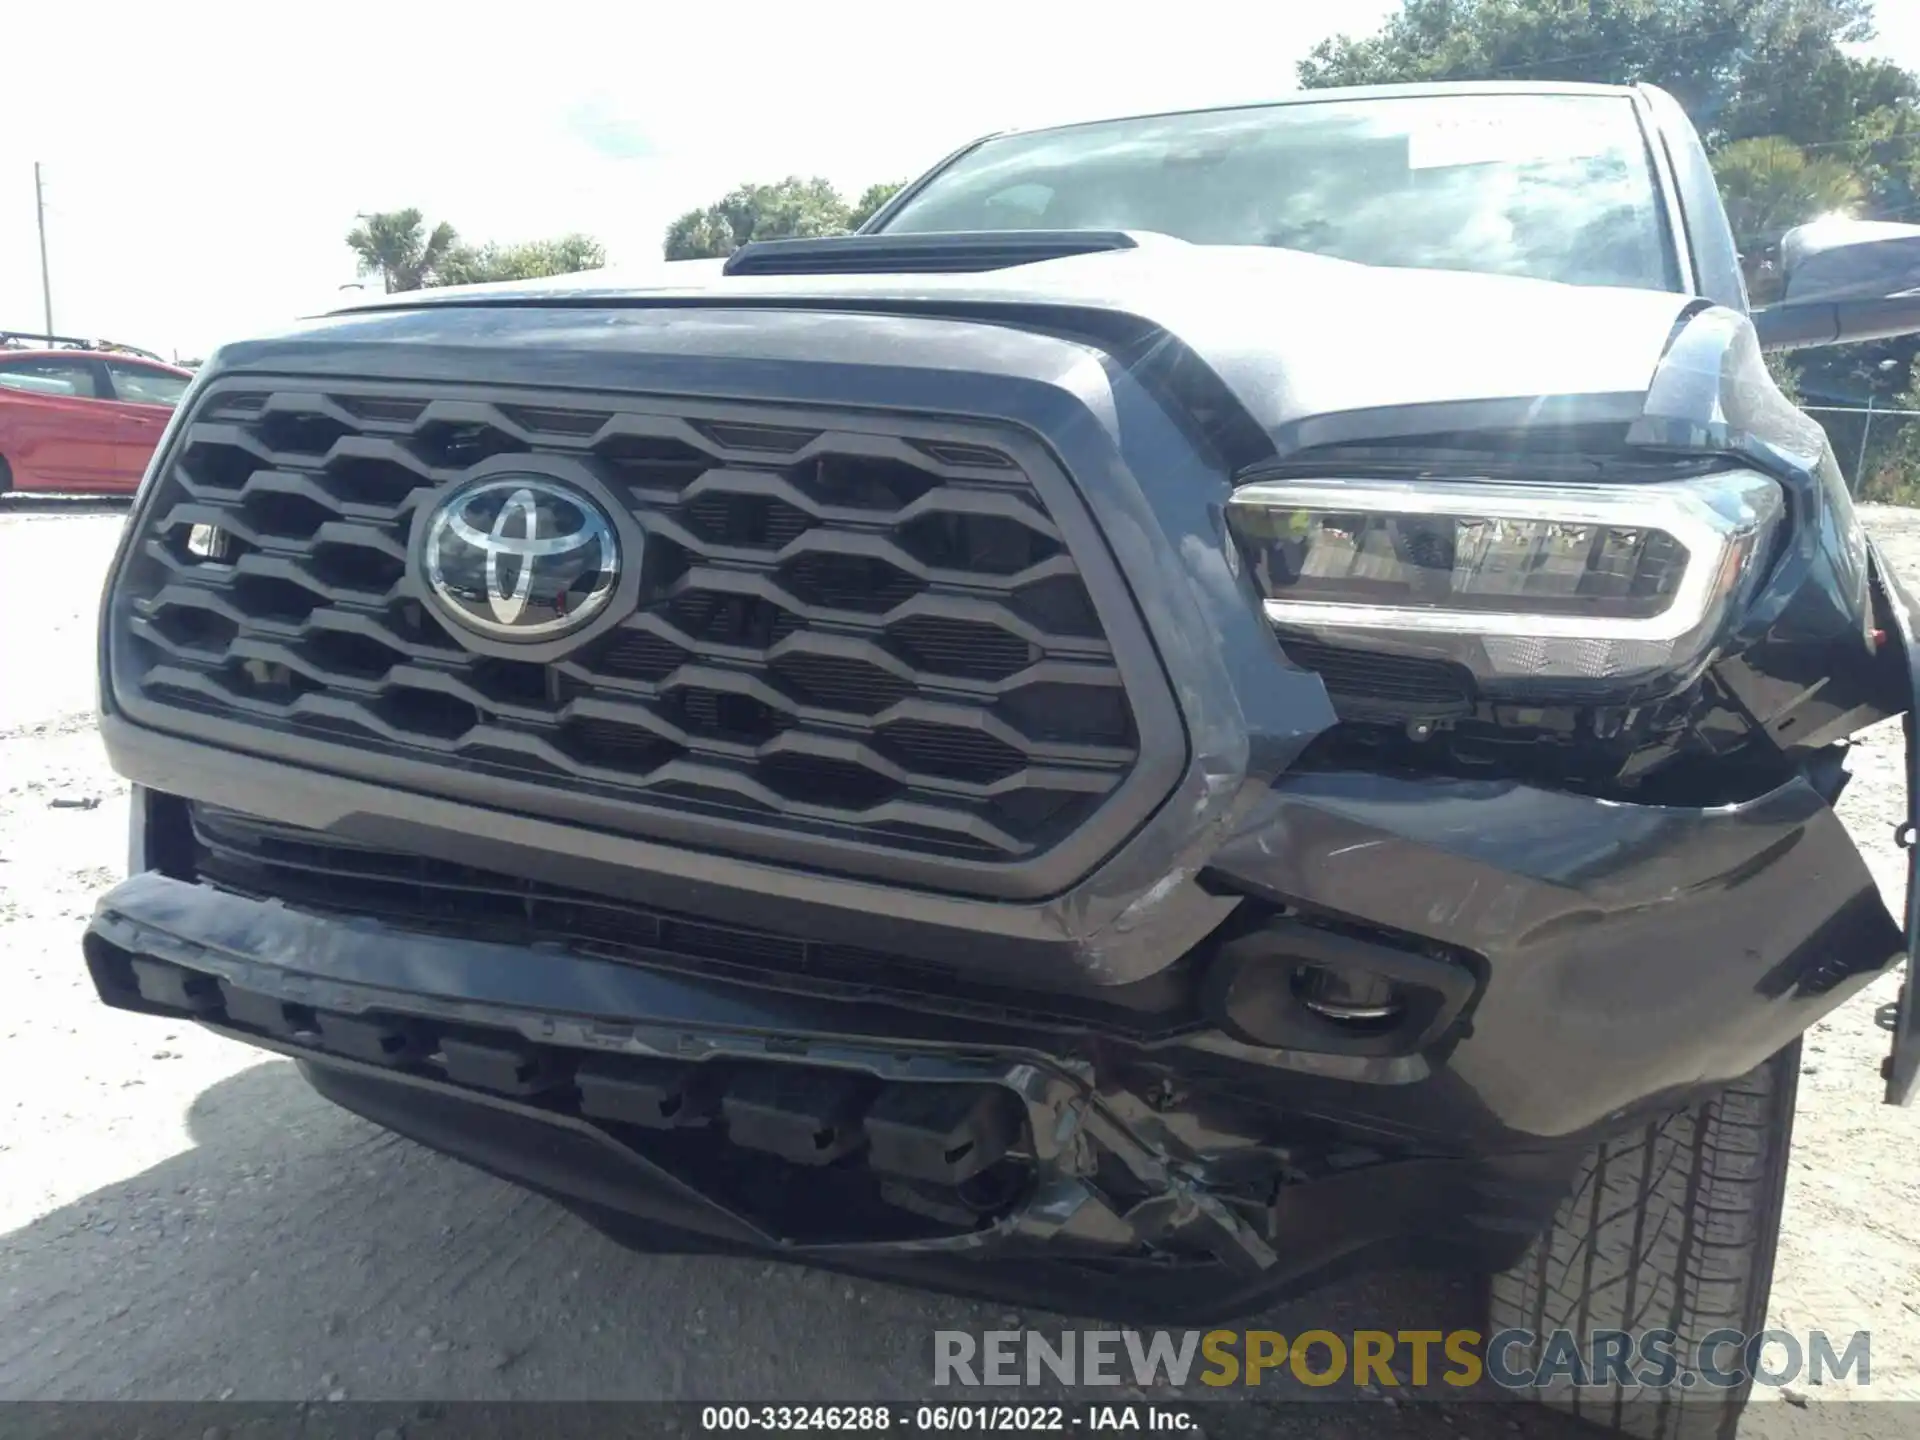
1878,448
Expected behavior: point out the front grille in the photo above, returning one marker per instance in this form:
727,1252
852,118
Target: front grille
875,635
265,860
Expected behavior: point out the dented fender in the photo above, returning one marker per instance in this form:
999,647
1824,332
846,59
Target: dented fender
1632,953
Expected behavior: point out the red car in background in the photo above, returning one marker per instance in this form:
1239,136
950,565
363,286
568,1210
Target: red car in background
79,417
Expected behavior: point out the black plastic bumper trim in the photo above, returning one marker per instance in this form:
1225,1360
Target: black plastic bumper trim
986,936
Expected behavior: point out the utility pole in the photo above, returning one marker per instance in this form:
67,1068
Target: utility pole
40,214
1866,429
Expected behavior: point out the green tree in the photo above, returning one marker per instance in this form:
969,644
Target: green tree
700,235
1891,473
1785,374
395,245
528,260
871,199
1769,185
1742,68
1886,153
1796,81
787,209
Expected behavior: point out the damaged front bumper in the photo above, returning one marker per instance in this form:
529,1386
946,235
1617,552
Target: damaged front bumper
984,1164
1621,958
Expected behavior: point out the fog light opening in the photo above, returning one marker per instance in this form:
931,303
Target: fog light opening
1357,998
208,543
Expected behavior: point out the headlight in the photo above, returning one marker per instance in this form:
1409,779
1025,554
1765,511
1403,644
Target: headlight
1516,581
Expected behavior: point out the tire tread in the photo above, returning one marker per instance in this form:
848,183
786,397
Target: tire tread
1674,1225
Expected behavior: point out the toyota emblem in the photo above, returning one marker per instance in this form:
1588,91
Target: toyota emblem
520,557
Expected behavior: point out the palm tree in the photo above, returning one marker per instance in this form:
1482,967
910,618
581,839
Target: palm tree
1770,185
394,244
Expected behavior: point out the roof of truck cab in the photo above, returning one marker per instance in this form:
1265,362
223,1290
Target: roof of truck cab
1423,90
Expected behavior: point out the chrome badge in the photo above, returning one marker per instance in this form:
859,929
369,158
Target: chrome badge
520,557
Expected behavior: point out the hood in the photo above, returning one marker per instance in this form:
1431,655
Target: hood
1291,335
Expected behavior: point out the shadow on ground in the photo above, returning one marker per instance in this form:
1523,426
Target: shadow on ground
296,1252
65,504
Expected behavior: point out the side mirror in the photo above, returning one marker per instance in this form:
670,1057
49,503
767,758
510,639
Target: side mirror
1844,281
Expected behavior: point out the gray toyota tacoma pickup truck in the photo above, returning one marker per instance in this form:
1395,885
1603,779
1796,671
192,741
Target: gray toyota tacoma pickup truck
1212,697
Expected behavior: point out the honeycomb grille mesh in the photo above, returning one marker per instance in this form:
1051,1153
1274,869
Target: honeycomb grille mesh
875,636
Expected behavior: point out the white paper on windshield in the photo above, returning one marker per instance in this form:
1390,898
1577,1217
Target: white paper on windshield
1508,133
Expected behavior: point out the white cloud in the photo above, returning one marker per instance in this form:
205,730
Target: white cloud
204,159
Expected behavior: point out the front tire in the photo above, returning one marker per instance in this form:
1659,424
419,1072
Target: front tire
1673,1227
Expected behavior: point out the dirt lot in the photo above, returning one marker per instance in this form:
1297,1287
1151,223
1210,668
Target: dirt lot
181,1219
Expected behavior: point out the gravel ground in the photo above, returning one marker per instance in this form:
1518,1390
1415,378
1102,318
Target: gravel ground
180,1218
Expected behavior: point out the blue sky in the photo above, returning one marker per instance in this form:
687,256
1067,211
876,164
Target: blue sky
204,159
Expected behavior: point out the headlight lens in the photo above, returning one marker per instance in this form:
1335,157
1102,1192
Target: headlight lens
1514,580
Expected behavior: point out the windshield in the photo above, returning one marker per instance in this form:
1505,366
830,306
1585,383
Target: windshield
1557,187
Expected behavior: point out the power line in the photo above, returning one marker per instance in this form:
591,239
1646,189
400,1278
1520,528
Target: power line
1874,410
1849,140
